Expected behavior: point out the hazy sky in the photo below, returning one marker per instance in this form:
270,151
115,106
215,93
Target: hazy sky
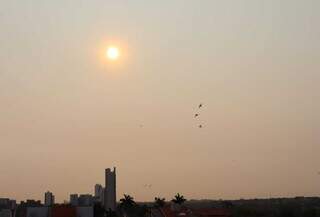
66,113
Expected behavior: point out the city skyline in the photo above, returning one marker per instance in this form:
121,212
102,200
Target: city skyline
104,195
86,85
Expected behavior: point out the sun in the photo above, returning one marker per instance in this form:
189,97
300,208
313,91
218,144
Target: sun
112,53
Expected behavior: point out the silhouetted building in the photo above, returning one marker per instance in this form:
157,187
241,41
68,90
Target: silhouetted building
13,204
74,199
110,189
31,203
48,199
97,190
6,203
99,194
84,211
37,211
5,213
85,200
21,210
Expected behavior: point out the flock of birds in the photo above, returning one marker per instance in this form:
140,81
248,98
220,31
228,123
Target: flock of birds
196,115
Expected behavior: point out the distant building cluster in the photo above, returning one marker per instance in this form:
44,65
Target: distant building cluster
102,203
82,205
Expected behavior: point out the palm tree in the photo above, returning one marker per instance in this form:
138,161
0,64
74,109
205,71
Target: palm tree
178,199
127,201
159,202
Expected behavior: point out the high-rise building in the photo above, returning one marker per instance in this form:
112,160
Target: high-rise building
110,189
97,189
99,193
48,199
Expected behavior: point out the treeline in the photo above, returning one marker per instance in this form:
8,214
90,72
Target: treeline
129,208
273,207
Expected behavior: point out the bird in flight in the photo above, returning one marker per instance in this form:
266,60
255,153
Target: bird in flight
200,126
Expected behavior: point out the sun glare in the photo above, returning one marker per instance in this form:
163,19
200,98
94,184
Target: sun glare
112,53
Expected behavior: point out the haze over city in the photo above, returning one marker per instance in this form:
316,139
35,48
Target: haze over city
86,85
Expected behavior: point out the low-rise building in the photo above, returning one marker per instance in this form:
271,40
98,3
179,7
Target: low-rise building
85,211
74,199
37,211
6,203
85,200
5,213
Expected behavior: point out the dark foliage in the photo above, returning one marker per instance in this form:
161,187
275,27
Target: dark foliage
159,202
178,199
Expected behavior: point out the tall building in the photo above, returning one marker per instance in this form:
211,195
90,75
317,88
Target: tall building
99,193
110,189
48,199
